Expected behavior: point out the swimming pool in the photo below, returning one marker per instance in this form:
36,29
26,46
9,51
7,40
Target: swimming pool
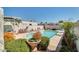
46,33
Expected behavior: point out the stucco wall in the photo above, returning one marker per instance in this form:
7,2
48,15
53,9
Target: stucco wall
1,30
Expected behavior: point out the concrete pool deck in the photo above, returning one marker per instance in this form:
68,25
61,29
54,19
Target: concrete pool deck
54,44
23,35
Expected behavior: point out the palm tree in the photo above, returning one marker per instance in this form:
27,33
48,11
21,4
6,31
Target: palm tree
68,35
61,21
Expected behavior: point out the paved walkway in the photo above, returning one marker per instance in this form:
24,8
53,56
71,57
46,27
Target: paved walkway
76,31
54,44
22,35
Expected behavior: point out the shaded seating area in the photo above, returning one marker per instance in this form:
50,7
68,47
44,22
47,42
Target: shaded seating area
22,30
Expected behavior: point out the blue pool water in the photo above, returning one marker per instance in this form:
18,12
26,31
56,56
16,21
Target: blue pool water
46,33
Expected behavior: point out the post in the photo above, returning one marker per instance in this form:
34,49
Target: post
1,30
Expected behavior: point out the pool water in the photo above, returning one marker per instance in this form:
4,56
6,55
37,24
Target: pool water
46,33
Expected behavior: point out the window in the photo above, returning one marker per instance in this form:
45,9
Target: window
30,24
8,28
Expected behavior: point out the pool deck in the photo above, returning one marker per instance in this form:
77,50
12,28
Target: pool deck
54,44
23,35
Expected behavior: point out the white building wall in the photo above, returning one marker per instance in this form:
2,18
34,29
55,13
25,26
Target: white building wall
7,23
1,30
33,27
28,22
41,27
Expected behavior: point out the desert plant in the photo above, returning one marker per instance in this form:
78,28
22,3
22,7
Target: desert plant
43,44
68,35
32,40
8,36
37,36
19,45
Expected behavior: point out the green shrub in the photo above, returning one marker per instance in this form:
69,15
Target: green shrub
43,44
19,45
32,40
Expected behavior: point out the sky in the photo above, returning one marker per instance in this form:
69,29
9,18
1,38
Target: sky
44,14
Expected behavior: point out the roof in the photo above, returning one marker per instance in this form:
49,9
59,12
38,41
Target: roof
11,18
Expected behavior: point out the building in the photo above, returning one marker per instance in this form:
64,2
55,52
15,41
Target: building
32,26
51,26
1,30
18,26
11,23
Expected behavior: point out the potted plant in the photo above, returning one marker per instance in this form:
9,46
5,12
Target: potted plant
33,42
43,43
